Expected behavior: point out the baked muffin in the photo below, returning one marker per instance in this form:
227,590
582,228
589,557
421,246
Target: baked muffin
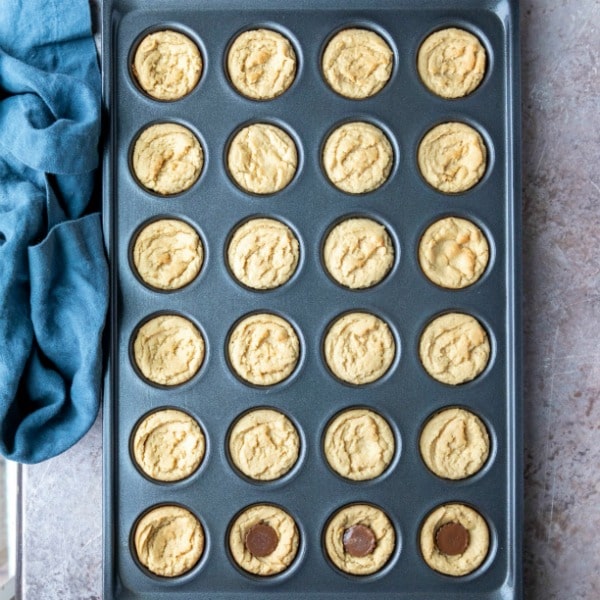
263,349
358,157
358,253
453,253
168,254
360,539
359,348
263,253
167,158
167,65
168,350
264,540
169,540
454,539
261,64
262,158
452,157
454,443
168,445
264,444
359,444
357,63
454,348
451,62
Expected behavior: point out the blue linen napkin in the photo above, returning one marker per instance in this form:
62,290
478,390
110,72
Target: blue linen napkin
53,273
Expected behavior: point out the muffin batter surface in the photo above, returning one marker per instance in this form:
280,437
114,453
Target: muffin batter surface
168,350
263,349
454,348
447,556
262,158
455,444
361,552
453,253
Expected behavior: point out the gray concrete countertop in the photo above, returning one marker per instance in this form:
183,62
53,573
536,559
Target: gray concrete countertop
61,535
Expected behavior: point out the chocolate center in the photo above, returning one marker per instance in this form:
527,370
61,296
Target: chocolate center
452,539
359,540
261,540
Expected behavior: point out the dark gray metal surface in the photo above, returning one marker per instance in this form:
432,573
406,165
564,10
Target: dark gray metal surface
406,396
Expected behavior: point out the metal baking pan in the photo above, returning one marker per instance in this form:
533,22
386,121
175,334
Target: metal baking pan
406,396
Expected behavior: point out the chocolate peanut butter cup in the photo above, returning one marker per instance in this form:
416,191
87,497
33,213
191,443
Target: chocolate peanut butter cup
359,540
261,540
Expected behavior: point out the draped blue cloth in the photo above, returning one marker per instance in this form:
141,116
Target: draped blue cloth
53,272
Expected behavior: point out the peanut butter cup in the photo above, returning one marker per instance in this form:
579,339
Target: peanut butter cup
359,540
452,539
261,540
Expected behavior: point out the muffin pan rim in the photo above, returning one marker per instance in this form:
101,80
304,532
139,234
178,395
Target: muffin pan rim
509,306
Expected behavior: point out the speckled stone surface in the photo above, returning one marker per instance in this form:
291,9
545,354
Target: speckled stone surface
561,150
61,524
62,501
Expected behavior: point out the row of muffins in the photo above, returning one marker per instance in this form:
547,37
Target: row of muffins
262,158
264,539
168,445
261,63
263,349
264,253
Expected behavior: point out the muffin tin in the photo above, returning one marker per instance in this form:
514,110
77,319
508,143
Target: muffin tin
406,396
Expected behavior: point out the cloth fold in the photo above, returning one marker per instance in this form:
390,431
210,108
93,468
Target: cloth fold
53,272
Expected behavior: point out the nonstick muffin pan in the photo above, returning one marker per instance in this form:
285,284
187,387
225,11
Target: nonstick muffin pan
309,394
